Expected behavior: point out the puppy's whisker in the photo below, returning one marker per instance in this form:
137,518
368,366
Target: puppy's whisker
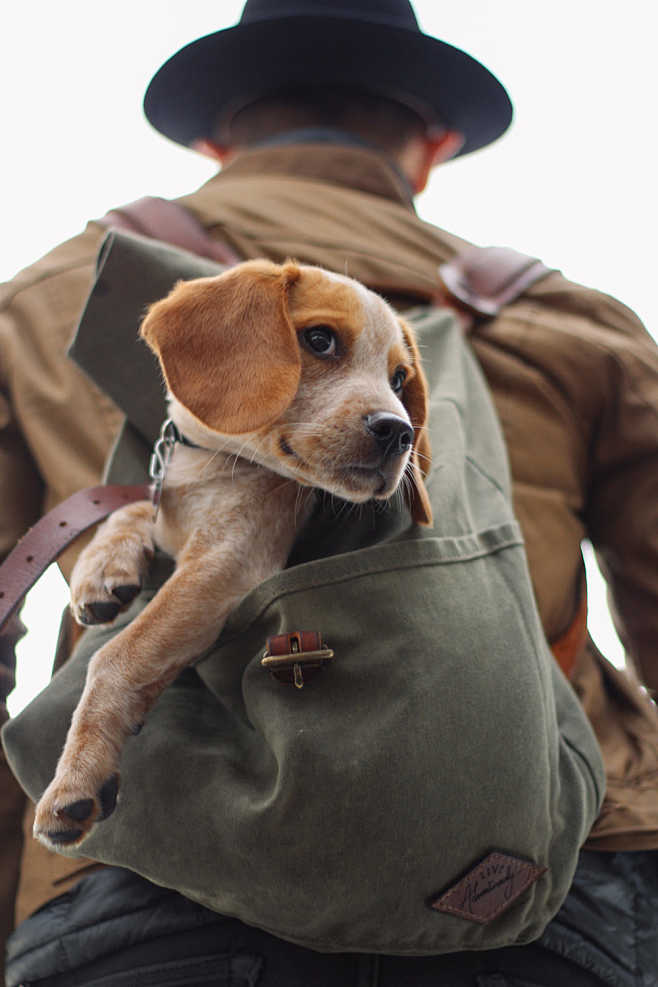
411,480
339,506
240,455
402,491
284,483
209,463
236,460
298,502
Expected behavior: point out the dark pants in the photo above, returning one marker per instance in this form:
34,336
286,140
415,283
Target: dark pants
116,930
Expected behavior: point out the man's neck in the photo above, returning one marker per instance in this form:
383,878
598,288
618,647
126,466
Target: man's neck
330,155
315,135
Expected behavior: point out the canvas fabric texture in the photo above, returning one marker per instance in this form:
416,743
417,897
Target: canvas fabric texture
308,812
564,362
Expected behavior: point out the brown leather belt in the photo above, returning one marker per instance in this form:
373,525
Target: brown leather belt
49,537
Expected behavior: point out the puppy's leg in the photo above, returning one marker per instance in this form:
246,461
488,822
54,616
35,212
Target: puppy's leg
124,679
109,572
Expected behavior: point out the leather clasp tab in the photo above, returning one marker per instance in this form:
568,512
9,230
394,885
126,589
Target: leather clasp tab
295,657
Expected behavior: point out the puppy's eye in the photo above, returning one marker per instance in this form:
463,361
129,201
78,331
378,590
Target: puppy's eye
398,379
321,340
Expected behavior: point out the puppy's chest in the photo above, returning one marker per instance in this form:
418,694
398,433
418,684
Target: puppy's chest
256,514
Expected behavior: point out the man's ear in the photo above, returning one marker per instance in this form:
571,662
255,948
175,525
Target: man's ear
211,149
422,154
227,347
415,398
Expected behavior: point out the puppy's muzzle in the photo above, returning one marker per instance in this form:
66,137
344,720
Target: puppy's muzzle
393,435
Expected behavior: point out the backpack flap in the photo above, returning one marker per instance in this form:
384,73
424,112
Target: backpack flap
132,273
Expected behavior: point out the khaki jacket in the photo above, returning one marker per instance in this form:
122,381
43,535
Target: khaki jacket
573,374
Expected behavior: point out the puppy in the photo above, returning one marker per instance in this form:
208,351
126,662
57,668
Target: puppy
282,379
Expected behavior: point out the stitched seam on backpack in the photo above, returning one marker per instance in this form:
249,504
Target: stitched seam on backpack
301,585
487,476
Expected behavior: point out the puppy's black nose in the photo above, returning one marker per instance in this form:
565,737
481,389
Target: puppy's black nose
393,434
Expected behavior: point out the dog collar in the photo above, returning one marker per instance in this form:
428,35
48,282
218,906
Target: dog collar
163,450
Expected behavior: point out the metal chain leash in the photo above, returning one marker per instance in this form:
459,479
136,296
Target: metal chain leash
163,450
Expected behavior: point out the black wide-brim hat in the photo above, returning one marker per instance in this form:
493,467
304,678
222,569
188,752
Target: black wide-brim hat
372,45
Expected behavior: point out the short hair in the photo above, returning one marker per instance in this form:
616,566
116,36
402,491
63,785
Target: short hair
376,119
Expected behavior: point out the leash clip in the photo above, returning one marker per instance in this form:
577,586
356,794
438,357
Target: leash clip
163,450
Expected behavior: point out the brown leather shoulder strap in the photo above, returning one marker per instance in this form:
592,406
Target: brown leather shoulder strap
161,219
49,537
484,279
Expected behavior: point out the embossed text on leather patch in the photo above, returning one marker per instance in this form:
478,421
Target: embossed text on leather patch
487,890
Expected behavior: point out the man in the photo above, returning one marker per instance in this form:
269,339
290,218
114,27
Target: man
327,173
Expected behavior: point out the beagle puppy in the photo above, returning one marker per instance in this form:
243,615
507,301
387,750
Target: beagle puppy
282,379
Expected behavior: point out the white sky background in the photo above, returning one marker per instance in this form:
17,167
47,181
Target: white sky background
573,182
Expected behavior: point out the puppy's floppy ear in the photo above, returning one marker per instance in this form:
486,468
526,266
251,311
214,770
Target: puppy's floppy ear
415,398
227,346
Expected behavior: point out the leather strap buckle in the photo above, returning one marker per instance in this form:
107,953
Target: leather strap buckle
484,279
296,657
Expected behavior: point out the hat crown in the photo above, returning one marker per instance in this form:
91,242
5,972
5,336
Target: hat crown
396,13
372,45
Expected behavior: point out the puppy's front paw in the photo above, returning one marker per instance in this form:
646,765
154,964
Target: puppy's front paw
66,814
109,572
104,583
104,611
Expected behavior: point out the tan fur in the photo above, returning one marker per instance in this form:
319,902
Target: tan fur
274,420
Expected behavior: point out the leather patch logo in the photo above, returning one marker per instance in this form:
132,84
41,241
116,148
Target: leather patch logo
489,889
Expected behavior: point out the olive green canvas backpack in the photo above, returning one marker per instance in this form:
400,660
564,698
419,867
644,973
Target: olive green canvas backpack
429,790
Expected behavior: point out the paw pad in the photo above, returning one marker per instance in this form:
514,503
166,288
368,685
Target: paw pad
108,796
69,824
126,594
98,613
78,810
64,836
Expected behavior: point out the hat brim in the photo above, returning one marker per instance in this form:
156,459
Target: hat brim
204,84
